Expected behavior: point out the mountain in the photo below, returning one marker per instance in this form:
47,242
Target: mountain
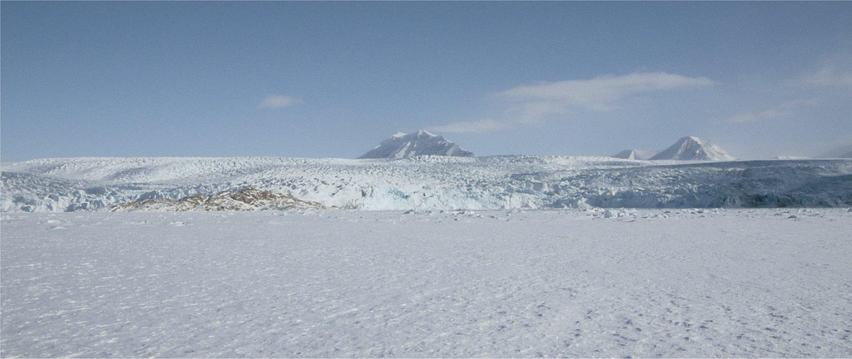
420,143
691,148
635,154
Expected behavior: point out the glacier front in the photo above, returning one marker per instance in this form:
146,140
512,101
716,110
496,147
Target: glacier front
427,182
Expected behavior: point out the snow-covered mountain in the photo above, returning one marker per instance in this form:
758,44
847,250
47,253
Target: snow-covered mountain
420,143
635,154
691,148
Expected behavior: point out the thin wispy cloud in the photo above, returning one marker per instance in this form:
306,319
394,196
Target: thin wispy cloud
535,103
833,70
783,110
278,101
478,126
829,75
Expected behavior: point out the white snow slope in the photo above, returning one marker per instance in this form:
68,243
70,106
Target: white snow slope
503,182
683,283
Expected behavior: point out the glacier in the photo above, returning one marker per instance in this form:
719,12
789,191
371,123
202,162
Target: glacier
423,182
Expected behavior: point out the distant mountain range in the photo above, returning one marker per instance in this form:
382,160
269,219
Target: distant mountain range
420,143
689,148
425,143
635,154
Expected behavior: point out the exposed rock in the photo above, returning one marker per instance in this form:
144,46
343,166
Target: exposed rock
243,199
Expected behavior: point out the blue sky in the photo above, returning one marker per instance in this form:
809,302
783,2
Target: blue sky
334,79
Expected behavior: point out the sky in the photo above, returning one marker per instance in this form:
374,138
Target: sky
334,79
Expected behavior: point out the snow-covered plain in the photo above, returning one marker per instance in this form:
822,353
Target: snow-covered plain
501,182
593,282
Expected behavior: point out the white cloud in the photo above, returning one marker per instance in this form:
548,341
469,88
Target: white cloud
278,101
599,93
783,110
535,103
829,75
832,70
478,126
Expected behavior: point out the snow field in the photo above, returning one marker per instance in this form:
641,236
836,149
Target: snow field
420,283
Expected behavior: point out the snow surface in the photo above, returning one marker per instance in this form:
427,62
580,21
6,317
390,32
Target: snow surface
595,282
439,182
